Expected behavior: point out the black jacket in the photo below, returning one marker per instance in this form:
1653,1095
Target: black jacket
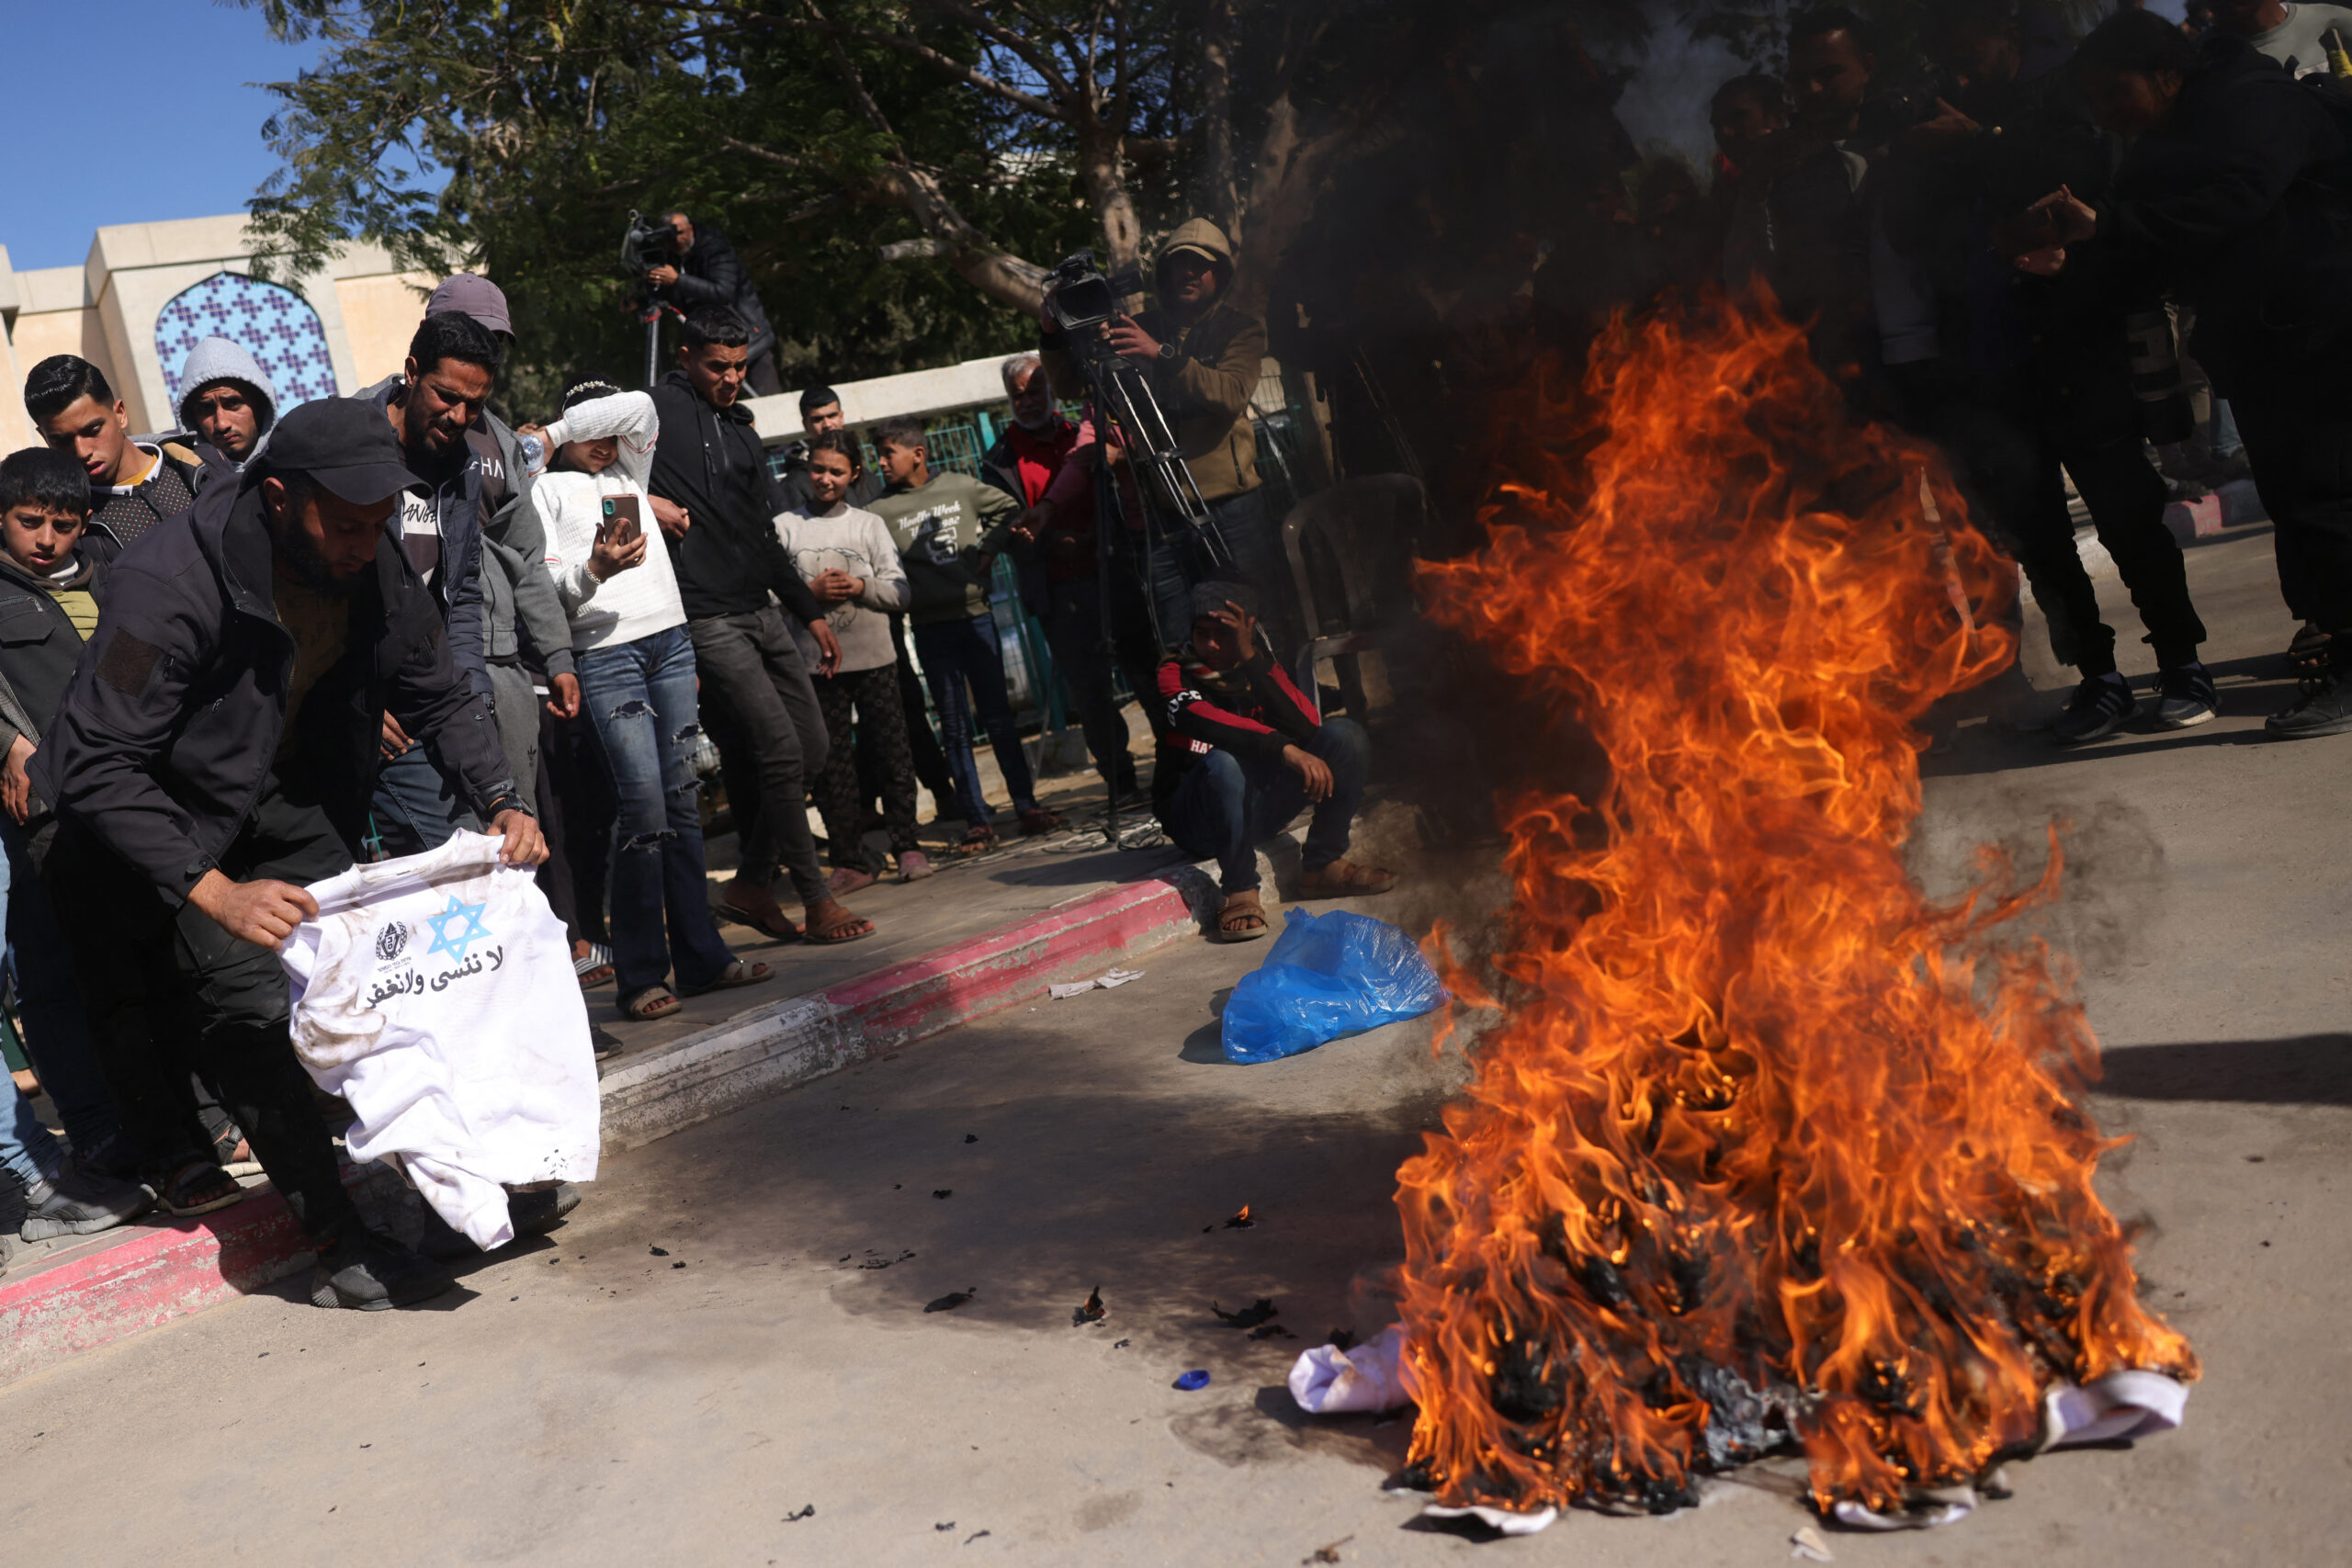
2065,337
2239,200
711,461
712,274
39,646
176,712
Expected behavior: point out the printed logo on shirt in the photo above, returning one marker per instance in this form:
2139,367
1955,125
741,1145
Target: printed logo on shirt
937,530
421,533
814,561
455,929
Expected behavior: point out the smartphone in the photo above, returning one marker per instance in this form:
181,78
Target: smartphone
621,522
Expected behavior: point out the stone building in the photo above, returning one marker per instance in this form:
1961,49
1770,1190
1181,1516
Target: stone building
149,290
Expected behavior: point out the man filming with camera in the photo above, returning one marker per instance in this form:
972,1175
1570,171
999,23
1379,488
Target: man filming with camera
708,272
1200,356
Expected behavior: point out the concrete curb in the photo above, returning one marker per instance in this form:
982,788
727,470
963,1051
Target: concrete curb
117,1283
765,1053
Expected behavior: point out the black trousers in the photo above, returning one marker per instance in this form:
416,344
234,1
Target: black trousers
922,743
1075,631
2296,422
866,727
2010,443
223,1000
761,709
576,812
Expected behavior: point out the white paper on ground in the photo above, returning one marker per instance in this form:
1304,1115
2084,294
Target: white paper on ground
1944,1505
1328,1381
2116,1407
436,995
1498,1518
1109,980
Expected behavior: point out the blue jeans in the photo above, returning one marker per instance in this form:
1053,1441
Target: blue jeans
640,697
415,808
1224,807
57,1028
961,661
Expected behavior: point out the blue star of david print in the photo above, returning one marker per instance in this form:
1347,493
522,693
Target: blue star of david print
466,934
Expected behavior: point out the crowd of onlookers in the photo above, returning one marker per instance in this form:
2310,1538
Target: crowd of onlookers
237,657
2117,259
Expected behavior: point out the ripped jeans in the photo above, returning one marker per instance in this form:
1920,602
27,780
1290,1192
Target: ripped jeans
640,697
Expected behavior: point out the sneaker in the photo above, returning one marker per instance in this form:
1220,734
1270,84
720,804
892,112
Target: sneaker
369,1271
2324,708
2098,708
536,1213
2185,697
913,866
74,1203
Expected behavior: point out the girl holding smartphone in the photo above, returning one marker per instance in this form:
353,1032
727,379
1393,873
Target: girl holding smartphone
637,683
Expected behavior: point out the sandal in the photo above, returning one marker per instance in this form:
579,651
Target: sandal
777,925
199,1187
829,923
978,840
847,879
742,972
594,966
654,1001
1243,918
1040,819
1345,879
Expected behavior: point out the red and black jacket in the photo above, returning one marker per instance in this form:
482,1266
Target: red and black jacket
1252,710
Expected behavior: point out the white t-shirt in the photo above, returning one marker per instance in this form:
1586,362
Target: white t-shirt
633,603
436,995
2299,42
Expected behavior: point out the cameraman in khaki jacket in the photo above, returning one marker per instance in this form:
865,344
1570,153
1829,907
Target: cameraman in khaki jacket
1202,355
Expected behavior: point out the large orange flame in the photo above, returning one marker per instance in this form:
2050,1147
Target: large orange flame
1765,1135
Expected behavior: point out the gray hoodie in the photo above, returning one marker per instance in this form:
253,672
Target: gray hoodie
224,359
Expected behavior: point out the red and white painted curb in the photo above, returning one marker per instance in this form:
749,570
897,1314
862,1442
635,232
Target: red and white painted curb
119,1282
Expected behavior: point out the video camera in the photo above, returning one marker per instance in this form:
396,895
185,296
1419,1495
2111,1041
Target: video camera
1081,299
649,244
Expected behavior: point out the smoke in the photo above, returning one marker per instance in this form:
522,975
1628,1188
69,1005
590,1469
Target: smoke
1665,106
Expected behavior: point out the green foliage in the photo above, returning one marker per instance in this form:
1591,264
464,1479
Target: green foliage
516,138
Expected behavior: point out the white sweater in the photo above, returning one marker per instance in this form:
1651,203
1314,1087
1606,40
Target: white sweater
633,603
860,544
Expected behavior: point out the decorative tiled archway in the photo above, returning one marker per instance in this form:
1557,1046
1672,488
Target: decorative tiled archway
276,325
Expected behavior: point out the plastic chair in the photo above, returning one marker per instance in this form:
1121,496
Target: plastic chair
1351,550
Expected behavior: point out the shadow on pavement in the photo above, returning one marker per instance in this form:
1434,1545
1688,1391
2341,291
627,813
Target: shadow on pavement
2307,1069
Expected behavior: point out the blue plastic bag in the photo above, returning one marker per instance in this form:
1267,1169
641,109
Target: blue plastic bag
1327,975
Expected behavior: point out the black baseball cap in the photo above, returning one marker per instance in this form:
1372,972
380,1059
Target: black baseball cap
345,443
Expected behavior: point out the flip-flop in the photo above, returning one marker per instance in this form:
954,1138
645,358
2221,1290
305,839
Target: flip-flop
729,913
742,972
646,1005
595,967
817,934
183,1192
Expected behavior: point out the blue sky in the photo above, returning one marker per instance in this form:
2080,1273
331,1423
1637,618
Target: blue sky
128,111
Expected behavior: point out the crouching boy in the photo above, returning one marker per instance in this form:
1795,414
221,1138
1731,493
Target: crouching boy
1242,752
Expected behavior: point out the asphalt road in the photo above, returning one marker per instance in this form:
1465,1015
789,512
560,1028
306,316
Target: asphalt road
588,1400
